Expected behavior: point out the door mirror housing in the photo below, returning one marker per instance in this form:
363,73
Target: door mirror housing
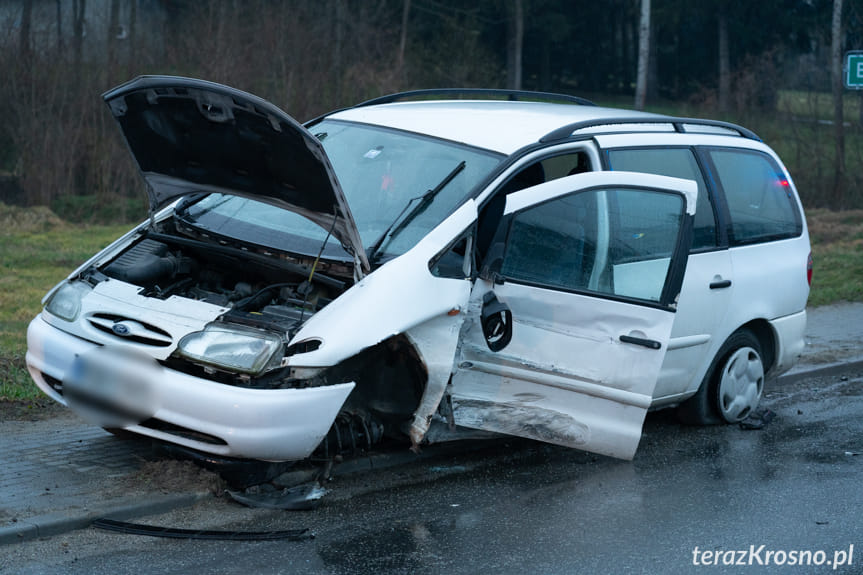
496,318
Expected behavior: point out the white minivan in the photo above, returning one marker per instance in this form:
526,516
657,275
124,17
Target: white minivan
425,265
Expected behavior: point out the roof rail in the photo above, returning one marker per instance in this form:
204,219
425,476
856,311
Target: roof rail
566,131
514,95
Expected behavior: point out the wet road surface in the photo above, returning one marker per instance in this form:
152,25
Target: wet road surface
522,507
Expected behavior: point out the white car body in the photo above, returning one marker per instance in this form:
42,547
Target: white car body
580,363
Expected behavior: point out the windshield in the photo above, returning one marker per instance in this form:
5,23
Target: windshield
381,171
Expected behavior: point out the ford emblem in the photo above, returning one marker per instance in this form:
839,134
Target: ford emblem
120,329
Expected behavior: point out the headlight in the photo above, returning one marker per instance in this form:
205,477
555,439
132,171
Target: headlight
231,348
66,301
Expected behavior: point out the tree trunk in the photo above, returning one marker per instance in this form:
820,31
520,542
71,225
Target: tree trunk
515,41
133,23
111,46
652,92
838,121
79,7
619,52
337,50
24,37
643,55
724,61
59,28
403,39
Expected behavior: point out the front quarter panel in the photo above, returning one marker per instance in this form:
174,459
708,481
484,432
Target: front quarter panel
399,296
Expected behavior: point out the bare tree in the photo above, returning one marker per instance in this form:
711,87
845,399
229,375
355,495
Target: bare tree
838,121
24,38
515,42
113,27
643,55
339,23
133,23
724,60
79,8
403,38
59,28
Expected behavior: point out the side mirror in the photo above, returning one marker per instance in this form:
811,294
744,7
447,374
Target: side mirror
496,320
491,265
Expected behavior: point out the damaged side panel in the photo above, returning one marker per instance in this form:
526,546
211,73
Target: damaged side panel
561,345
556,382
401,297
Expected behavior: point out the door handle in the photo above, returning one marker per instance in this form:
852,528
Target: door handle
720,284
651,343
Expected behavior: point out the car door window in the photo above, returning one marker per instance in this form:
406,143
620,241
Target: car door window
759,197
678,163
613,242
535,173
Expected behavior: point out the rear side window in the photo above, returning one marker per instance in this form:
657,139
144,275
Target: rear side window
677,163
760,202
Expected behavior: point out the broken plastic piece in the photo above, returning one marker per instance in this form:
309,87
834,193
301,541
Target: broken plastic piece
301,497
758,419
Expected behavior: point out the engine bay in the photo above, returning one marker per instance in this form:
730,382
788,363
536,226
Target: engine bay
269,290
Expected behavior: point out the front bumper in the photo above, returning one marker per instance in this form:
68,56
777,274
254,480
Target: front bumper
271,425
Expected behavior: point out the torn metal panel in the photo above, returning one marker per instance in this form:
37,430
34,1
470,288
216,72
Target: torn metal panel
436,342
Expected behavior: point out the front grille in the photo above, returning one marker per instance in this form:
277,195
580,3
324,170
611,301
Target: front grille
183,432
130,330
55,383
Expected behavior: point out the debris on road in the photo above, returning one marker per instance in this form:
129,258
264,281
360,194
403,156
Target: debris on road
300,497
156,531
758,419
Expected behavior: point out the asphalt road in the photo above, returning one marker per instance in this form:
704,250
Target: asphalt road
523,507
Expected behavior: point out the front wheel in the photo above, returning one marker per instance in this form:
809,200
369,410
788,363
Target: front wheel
733,385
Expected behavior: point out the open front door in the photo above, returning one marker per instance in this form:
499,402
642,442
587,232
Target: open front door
569,323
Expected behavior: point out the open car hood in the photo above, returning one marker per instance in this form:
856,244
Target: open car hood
190,135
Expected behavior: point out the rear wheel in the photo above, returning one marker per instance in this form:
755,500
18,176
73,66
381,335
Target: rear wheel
733,385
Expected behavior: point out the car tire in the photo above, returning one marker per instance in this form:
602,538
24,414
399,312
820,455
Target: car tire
732,387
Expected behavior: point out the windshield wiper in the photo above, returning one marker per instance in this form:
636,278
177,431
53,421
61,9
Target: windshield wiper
425,200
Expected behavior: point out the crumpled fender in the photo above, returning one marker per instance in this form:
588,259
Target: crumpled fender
401,296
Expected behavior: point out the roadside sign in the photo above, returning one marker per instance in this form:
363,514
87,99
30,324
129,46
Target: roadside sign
854,69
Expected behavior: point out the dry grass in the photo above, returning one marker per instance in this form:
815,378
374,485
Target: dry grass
17,220
828,227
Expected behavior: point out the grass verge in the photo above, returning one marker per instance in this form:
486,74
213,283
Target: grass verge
37,250
837,251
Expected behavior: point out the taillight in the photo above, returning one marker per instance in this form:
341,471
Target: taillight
809,268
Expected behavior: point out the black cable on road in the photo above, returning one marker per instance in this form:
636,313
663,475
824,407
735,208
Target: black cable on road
156,531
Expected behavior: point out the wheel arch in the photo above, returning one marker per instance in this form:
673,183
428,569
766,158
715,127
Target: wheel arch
762,330
391,378
697,409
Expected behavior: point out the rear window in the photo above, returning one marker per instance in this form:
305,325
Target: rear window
759,197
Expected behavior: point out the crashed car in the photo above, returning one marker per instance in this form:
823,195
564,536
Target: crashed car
416,269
